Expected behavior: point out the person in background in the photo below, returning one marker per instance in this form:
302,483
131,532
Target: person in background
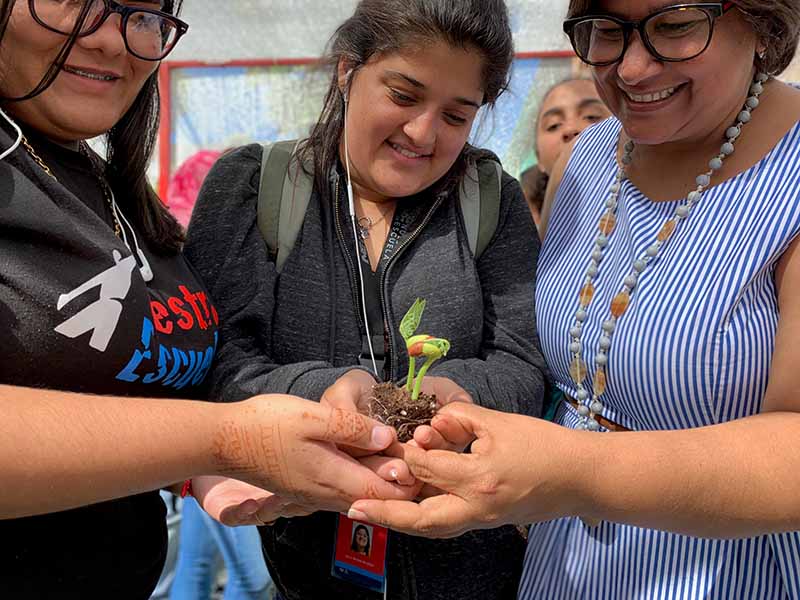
668,312
407,80
105,325
567,108
202,541
185,183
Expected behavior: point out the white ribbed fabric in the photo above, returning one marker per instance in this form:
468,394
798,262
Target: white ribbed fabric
693,349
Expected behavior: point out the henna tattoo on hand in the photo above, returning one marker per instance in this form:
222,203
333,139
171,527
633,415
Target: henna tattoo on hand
273,455
346,427
233,450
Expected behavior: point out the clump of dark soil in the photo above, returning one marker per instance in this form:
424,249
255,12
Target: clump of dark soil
393,406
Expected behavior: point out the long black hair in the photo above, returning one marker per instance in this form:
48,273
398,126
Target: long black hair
129,143
385,26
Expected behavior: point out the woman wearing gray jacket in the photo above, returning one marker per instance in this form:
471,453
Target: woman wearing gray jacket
383,226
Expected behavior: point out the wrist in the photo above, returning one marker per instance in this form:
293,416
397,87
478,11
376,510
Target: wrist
363,374
586,457
567,479
235,442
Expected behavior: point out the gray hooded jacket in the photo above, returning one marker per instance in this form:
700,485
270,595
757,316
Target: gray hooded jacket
298,331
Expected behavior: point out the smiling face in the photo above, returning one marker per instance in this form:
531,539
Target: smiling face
97,85
662,102
568,109
362,539
409,116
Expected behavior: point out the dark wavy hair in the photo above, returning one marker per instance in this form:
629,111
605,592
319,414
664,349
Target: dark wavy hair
775,22
129,144
385,26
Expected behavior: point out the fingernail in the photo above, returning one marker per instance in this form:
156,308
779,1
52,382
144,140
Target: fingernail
382,436
356,515
394,474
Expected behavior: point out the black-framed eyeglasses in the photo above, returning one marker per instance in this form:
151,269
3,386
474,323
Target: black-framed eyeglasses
148,34
673,34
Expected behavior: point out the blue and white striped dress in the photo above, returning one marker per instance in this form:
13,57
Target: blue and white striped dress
693,349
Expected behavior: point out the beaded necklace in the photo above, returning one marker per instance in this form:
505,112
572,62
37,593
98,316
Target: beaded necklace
590,405
103,185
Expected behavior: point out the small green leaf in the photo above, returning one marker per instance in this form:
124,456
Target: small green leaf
411,321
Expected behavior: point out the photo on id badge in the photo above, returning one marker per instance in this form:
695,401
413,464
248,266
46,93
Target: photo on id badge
360,555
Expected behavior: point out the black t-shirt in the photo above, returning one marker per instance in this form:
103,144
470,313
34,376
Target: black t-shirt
77,314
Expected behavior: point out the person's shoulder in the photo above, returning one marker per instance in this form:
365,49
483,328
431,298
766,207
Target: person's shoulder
601,133
241,157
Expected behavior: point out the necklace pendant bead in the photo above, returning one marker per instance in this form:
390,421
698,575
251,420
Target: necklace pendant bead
599,384
666,231
586,295
620,304
607,223
578,370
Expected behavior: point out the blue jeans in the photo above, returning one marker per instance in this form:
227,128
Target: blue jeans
201,540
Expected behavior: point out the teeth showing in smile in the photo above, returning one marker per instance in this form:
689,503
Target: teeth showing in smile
404,152
654,97
95,76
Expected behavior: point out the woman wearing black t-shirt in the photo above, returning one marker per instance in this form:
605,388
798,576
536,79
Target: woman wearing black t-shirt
103,322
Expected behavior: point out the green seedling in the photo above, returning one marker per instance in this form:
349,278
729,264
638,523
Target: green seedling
418,346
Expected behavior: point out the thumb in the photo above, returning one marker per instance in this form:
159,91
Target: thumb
470,419
338,426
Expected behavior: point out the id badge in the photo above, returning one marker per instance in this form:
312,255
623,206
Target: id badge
360,554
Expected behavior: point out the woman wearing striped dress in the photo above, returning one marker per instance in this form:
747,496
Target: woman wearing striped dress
668,311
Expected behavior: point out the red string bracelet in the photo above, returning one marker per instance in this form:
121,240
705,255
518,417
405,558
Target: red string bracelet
186,490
